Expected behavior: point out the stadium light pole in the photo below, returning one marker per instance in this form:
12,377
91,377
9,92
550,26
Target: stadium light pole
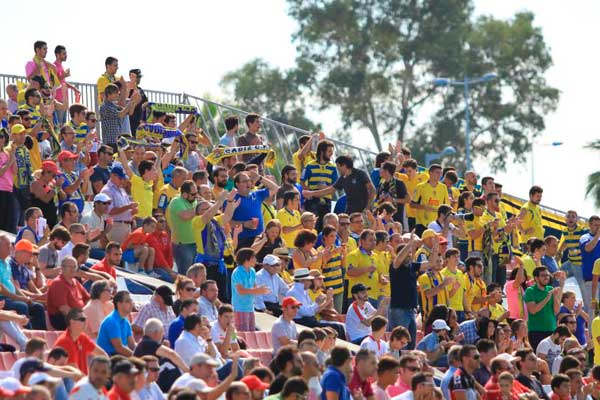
429,157
466,83
533,144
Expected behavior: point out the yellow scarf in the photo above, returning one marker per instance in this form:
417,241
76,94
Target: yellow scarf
52,79
222,152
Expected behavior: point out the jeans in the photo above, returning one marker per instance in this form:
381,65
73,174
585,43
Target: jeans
224,371
184,256
13,331
338,302
34,311
164,275
404,317
586,290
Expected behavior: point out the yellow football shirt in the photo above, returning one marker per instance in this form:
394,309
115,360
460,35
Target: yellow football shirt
358,259
428,281
474,244
487,217
456,301
427,195
289,219
532,219
411,184
142,193
383,260
198,226
311,156
594,338
474,288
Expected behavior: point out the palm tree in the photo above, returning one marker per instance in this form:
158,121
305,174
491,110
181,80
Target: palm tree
593,183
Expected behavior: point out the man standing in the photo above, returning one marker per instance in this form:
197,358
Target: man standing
135,76
251,137
360,314
463,384
500,228
589,244
269,277
531,216
543,304
96,219
180,212
361,268
427,197
357,185
232,124
115,335
209,294
101,174
121,209
112,115
456,290
283,331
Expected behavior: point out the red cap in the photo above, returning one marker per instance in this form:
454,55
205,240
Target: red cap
254,383
66,155
25,245
50,166
290,301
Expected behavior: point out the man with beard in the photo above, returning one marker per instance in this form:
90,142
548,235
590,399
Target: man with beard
317,175
170,190
470,184
463,386
94,386
530,216
287,363
543,303
48,258
289,178
219,179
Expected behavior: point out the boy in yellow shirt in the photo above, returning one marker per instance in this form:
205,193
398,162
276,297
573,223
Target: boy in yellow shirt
383,259
290,217
142,186
494,298
456,291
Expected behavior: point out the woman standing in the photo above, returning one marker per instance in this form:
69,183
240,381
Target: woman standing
8,167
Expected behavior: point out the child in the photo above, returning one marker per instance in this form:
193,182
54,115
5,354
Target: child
399,339
505,383
497,311
561,387
374,342
136,250
243,285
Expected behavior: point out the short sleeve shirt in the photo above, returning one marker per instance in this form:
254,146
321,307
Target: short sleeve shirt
48,256
289,219
114,326
20,273
283,328
78,350
462,381
246,278
427,195
544,320
141,192
250,207
357,384
181,231
359,258
333,380
355,187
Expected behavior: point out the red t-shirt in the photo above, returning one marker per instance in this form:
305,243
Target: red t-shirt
136,237
79,350
356,384
104,267
492,390
116,394
62,292
161,243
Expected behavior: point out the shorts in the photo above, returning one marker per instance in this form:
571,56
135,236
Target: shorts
129,257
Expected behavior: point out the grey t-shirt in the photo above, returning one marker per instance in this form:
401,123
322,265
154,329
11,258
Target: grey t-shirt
48,256
282,328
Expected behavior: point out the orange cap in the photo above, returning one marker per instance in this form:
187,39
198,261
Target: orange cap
25,245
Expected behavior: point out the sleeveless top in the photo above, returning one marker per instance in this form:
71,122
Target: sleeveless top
22,230
49,210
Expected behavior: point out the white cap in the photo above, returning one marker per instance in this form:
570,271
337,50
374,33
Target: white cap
440,324
103,197
270,259
39,377
198,385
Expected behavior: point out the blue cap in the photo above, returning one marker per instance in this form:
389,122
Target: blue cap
117,169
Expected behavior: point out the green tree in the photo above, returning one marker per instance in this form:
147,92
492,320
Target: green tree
376,60
258,87
593,183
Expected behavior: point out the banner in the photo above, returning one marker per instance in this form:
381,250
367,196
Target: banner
222,152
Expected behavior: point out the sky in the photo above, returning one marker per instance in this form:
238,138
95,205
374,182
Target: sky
189,45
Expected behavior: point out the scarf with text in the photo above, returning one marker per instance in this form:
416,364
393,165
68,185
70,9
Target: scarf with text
220,153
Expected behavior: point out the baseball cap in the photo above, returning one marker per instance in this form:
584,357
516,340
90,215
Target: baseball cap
66,155
118,170
25,245
40,377
102,197
198,385
202,358
17,129
359,287
124,367
12,386
32,365
439,324
254,383
290,301
50,166
428,233
165,293
443,240
270,259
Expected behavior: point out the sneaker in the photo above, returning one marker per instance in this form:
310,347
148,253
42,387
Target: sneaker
154,275
142,272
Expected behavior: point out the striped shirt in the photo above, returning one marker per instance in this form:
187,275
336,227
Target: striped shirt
332,270
81,130
571,238
430,280
316,174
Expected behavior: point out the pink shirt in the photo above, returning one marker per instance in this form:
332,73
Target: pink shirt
514,299
6,180
397,389
60,72
31,67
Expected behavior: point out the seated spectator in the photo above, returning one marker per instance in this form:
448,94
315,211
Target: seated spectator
159,307
197,273
10,326
209,292
365,368
387,373
112,259
551,347
293,388
94,387
287,363
561,387
526,366
360,314
409,366
184,290
269,277
223,332
151,390
78,345
29,231
269,240
101,174
136,250
188,307
487,351
65,293
399,339
202,370
374,342
123,378
97,219
79,234
284,331
98,307
115,335
193,340
48,259
463,383
151,344
333,380
421,386
69,214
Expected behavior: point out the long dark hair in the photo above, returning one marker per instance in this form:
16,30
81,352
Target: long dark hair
439,311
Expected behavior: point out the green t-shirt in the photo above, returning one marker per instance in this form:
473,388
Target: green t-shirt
181,231
544,320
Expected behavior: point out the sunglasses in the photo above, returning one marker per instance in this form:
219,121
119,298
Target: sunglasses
476,357
295,307
106,203
80,319
26,118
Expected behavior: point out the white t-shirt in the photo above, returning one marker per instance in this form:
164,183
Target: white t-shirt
355,329
380,348
218,334
437,228
550,349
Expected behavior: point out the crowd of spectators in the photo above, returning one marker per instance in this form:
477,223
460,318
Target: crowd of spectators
437,290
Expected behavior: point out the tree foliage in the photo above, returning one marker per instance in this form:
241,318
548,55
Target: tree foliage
593,181
376,59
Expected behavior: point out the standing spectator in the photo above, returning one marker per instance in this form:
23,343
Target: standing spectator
284,331
111,114
527,365
249,212
487,351
333,380
475,287
74,184
530,217
98,307
360,266
437,343
463,385
8,168
180,212
232,124
244,289
159,306
23,175
112,65
357,185
11,92
101,174
251,137
39,66
65,293
269,277
121,209
135,76
543,303
115,335
319,174
589,244
289,182
427,197
289,216
78,345
392,190
97,219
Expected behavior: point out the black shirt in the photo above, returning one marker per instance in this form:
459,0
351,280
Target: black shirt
396,189
404,281
533,384
355,187
277,384
146,347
